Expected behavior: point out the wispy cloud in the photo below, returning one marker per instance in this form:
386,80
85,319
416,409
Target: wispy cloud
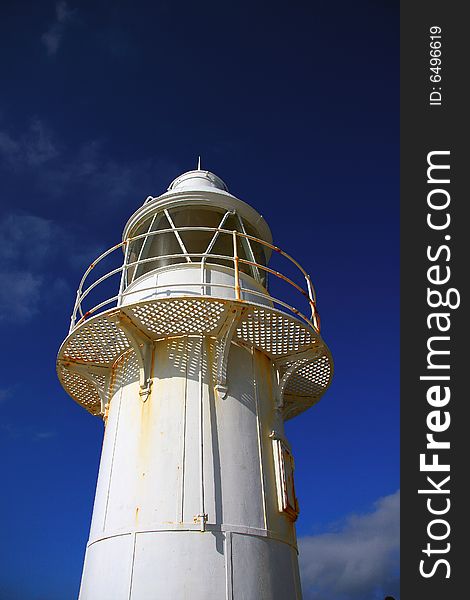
87,170
53,37
28,245
31,149
19,298
358,561
34,249
43,435
28,238
90,164
93,172
34,254
14,431
5,394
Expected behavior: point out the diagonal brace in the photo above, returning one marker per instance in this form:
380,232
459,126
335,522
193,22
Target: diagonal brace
224,339
87,370
288,365
143,348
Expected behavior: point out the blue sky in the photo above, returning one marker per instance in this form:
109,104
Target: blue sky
296,108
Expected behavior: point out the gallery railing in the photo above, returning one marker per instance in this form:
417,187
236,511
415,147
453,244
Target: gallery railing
80,314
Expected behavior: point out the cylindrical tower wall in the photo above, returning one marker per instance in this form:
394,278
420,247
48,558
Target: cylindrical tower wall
183,453
195,280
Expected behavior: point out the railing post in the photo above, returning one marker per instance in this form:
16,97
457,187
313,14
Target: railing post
235,262
203,276
316,322
311,295
123,273
74,312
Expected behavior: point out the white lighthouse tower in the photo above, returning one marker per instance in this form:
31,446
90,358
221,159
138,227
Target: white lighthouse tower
194,367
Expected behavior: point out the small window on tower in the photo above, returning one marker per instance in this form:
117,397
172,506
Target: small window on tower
284,467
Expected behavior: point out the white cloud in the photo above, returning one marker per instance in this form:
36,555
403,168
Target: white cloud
43,435
5,394
87,171
35,254
29,245
358,561
111,178
34,250
27,238
8,146
52,38
90,172
39,146
32,149
15,431
19,295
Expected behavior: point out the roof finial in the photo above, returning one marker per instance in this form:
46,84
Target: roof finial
198,163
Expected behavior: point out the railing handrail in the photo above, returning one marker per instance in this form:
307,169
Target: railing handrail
143,261
192,228
206,296
309,293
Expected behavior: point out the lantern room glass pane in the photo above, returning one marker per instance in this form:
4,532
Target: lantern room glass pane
166,249
196,242
154,245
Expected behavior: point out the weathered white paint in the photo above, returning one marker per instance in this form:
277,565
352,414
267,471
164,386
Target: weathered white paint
145,539
185,451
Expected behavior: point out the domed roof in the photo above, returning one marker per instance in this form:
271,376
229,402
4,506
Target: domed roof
197,180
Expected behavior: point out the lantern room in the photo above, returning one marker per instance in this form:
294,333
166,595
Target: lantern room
196,239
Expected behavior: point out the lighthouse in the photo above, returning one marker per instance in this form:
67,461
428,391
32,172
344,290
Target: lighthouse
194,339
